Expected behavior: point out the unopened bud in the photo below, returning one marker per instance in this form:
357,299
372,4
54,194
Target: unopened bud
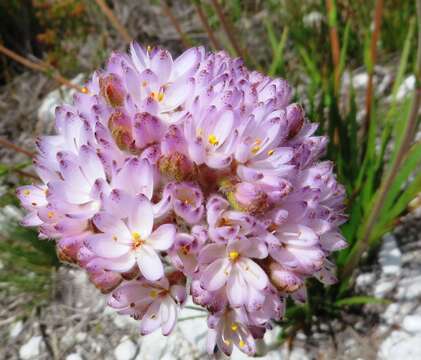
112,90
176,166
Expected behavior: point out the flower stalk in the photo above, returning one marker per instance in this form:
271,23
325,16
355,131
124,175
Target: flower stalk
118,26
41,67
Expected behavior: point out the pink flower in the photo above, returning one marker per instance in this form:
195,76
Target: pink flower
231,265
123,244
155,304
227,329
195,164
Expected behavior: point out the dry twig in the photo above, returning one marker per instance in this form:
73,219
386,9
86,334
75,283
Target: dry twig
42,67
114,21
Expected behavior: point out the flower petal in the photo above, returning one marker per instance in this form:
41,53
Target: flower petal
215,275
150,264
141,217
163,237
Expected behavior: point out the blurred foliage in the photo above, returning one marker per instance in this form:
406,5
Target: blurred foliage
27,264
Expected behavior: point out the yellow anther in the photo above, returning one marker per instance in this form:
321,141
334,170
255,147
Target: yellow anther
144,83
27,192
213,140
154,294
157,95
234,327
270,152
137,240
255,149
241,343
258,141
233,255
148,49
84,90
114,238
50,214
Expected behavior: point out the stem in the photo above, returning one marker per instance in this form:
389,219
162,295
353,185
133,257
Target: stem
41,67
214,41
8,144
334,41
192,317
114,21
364,241
183,37
378,15
27,174
228,29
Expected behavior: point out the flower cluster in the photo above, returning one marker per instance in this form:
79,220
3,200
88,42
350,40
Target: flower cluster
192,176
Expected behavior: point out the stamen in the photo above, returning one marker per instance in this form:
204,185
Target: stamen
233,255
27,192
157,95
137,240
84,90
241,343
270,152
234,327
50,214
255,149
213,140
153,294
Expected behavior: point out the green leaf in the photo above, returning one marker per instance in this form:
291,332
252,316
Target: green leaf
360,300
409,166
277,62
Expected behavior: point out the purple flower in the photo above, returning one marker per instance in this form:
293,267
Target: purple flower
194,170
123,244
155,304
231,265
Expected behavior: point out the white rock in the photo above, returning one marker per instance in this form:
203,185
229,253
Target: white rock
31,349
360,80
407,86
384,286
126,350
409,288
80,337
16,329
73,356
390,256
153,346
194,330
46,112
412,323
364,280
400,345
313,19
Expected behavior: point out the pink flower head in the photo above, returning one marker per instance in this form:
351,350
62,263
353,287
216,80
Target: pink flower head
169,176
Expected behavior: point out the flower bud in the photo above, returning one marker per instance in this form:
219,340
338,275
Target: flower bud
121,130
176,166
295,118
247,197
284,280
112,90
